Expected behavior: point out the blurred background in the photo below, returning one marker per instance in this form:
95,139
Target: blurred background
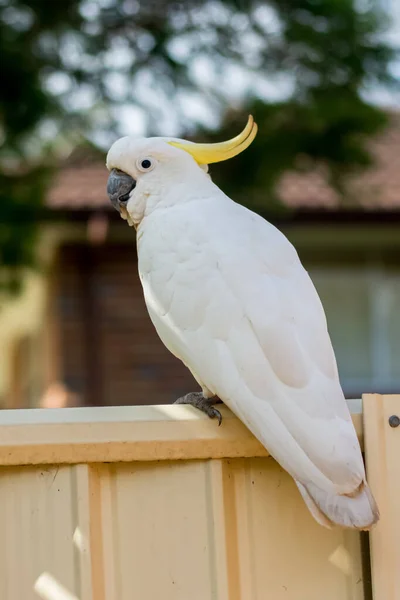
321,77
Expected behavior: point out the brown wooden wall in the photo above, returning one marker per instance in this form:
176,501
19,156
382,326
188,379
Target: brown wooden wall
108,349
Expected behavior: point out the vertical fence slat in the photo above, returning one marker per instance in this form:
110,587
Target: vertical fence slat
382,450
90,542
245,539
224,531
109,536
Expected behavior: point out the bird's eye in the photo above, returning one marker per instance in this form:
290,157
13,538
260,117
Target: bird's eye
145,164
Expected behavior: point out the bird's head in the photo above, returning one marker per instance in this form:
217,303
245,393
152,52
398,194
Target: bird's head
142,168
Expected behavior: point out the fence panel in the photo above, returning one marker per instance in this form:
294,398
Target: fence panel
141,503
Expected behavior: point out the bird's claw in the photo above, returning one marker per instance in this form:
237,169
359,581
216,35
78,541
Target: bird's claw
213,413
199,401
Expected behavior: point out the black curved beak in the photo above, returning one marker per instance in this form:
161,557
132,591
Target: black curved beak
119,186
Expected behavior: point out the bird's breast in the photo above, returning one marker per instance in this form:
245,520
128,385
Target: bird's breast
175,267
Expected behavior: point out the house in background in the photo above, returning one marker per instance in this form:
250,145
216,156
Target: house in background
80,333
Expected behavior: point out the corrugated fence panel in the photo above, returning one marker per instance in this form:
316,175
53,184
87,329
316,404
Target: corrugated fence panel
37,524
162,522
212,528
237,529
284,553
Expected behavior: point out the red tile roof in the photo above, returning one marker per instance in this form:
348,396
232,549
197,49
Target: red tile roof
79,188
82,185
377,186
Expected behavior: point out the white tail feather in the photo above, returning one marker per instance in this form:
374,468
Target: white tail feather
313,508
355,512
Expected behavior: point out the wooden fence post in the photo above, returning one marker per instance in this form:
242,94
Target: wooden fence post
382,450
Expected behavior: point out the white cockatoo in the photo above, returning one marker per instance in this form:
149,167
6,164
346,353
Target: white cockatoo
229,297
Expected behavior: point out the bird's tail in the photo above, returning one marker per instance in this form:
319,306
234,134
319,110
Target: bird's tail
356,511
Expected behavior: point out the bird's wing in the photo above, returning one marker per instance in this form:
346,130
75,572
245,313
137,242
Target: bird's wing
235,304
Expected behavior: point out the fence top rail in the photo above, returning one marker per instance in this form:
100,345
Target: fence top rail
127,433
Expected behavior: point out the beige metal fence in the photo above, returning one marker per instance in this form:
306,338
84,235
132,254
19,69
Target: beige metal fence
158,503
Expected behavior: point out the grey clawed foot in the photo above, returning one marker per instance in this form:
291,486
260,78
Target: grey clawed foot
199,401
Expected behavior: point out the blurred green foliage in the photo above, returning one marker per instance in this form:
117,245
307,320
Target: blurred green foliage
293,135
67,66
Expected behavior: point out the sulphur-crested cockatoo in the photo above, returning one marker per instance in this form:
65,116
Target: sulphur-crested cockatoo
229,297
